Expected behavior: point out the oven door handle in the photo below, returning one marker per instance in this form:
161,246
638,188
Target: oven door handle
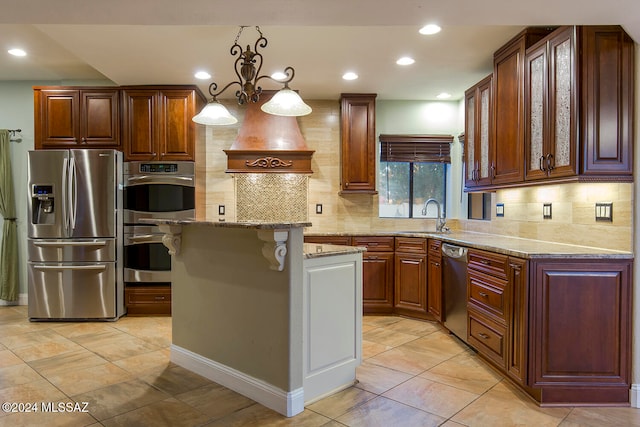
159,180
143,238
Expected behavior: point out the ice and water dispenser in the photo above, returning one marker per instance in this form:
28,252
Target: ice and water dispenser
42,204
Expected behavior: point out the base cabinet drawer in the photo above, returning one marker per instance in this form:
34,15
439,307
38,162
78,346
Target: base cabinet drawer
148,300
487,337
488,293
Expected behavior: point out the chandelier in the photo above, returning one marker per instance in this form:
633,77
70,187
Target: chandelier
285,102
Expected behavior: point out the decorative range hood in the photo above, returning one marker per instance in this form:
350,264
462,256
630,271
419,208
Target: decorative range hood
268,144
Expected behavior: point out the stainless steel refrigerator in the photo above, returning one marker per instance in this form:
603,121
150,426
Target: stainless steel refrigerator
75,235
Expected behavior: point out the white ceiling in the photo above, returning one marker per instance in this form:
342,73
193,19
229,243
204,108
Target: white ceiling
133,42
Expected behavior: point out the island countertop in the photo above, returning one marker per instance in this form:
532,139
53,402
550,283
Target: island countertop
317,250
256,225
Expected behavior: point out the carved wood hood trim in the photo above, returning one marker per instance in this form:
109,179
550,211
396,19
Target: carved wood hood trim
268,143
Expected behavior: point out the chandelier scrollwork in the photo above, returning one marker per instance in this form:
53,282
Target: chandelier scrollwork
247,67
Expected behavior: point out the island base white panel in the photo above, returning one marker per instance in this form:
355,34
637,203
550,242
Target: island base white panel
332,324
634,394
286,403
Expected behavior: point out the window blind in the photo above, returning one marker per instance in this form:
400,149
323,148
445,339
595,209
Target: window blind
415,148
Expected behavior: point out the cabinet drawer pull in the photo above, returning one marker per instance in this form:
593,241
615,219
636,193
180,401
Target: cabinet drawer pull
483,335
159,298
485,262
372,257
437,264
483,294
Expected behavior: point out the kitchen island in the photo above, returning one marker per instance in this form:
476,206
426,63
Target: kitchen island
260,312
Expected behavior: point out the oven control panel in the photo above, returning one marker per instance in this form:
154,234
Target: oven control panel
158,167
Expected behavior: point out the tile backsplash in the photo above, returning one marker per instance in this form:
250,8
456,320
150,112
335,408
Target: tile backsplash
276,197
573,214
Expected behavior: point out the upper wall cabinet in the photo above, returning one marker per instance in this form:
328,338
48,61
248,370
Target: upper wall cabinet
357,128
157,122
76,117
480,157
550,111
607,102
580,86
562,109
507,131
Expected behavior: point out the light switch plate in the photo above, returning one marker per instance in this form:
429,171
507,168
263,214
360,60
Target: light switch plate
546,211
604,211
500,209
221,209
318,208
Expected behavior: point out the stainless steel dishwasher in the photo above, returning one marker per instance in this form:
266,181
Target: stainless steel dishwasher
454,281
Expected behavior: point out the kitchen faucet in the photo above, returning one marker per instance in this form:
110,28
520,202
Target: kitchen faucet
440,220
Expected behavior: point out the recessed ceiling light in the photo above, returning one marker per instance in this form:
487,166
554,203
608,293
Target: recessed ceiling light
203,75
405,60
444,95
350,76
430,29
17,52
278,75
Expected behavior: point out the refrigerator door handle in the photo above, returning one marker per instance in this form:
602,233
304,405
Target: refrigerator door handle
65,197
61,244
96,267
73,196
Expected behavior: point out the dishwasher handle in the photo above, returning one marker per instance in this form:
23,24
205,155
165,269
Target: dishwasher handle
457,252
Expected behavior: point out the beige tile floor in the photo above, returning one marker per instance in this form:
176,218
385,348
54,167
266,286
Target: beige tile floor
413,374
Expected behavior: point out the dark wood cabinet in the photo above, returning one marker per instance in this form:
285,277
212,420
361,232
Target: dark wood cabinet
410,284
73,117
507,131
580,330
148,300
157,123
358,143
551,106
518,343
434,279
497,302
329,240
480,153
607,73
377,273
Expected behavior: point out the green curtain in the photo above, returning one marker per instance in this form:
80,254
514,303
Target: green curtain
9,246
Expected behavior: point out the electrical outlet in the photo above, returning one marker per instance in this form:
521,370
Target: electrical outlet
499,209
319,208
221,210
546,211
604,211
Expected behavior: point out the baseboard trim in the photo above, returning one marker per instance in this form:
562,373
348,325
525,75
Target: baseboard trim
286,403
634,395
22,300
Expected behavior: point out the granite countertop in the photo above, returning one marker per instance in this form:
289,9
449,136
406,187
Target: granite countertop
223,224
511,246
316,250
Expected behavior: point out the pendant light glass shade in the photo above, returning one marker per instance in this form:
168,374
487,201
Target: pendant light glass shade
214,114
286,102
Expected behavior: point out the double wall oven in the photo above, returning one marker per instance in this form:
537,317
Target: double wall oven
160,190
